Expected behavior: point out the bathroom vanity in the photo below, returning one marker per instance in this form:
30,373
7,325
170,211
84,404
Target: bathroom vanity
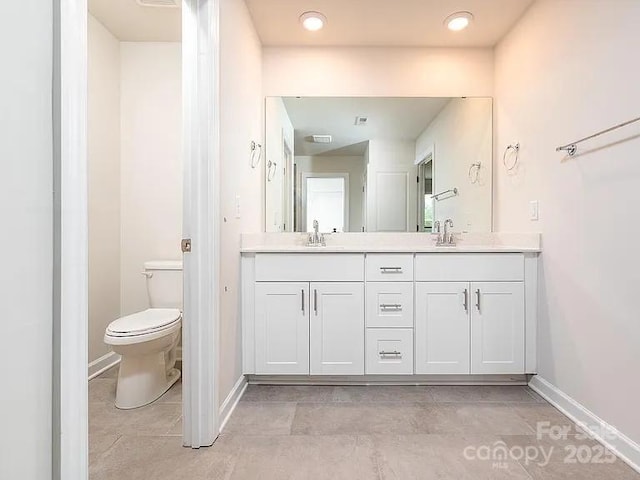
389,305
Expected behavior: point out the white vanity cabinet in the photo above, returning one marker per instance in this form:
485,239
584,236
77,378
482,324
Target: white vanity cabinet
307,314
389,334
470,313
334,313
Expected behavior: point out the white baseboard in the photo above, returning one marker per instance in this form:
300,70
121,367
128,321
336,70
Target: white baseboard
613,439
230,403
103,364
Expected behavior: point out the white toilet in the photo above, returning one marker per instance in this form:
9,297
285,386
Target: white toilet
147,340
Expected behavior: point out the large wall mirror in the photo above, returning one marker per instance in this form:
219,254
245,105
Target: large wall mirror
375,164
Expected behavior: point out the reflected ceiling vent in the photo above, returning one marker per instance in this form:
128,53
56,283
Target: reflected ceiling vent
159,3
321,138
362,121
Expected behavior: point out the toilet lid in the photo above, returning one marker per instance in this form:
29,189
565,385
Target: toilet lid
147,321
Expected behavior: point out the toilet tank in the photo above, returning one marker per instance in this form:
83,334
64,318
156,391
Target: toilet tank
164,283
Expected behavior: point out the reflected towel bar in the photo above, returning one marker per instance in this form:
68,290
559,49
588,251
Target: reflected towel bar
453,191
572,148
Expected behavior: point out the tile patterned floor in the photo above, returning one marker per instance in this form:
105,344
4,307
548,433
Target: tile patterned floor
335,433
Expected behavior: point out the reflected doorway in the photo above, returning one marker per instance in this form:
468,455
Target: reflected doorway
325,198
425,192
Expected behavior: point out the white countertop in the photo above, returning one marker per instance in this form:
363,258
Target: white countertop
391,243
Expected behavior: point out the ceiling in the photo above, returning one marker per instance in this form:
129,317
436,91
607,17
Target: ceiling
400,23
130,22
388,118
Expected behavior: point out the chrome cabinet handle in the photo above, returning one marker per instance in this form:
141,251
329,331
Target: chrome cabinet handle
478,299
390,306
466,300
302,300
315,301
391,269
395,352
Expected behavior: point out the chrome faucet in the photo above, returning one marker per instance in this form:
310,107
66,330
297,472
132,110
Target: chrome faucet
317,238
448,238
436,231
444,237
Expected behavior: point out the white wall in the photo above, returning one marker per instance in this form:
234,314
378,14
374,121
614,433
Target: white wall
103,156
26,210
278,131
566,71
151,162
462,135
391,162
352,71
241,122
353,165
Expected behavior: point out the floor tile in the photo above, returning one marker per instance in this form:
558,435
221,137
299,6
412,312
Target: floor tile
567,456
357,418
541,417
253,418
154,419
154,458
173,395
465,418
409,457
99,444
582,471
382,393
489,393
102,390
340,457
287,393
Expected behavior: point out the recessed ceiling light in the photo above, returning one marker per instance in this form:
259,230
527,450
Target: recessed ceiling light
313,21
458,21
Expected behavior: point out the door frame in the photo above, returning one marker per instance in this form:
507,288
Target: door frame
70,231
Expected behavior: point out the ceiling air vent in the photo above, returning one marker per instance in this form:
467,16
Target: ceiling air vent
361,121
159,3
322,138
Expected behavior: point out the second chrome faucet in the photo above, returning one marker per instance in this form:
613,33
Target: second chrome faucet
444,237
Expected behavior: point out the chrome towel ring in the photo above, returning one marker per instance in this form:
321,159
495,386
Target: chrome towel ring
515,150
256,153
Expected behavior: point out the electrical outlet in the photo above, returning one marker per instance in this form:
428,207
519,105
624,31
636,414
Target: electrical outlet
534,210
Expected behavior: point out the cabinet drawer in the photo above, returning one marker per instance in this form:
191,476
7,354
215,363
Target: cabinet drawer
389,267
389,351
390,304
469,267
311,267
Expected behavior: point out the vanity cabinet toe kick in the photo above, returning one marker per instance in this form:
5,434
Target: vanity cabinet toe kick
405,314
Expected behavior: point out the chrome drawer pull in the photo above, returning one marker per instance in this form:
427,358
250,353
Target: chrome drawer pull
395,352
302,300
478,299
391,269
390,306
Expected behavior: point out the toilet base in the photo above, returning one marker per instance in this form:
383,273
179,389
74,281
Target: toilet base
142,380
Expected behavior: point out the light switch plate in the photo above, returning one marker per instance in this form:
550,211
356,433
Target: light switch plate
534,210
237,206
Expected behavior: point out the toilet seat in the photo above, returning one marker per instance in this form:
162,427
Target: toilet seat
143,326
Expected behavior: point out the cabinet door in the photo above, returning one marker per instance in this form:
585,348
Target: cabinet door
337,328
442,327
497,327
282,328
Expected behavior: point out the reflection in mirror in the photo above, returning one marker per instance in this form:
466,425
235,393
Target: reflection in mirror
378,164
